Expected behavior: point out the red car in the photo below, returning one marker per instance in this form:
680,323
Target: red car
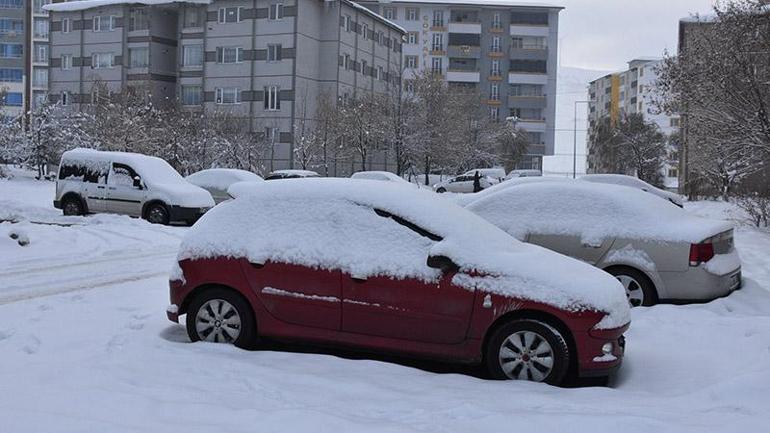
386,268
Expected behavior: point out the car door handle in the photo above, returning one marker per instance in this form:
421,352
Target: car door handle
99,187
111,188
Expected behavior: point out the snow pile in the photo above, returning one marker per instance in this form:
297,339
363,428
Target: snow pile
722,264
632,256
80,5
221,178
592,211
332,224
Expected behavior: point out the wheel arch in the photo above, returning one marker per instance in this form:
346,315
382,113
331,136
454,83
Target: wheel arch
541,316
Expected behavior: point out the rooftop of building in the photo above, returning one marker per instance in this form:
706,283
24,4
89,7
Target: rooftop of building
487,3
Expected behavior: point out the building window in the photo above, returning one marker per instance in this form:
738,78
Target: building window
380,38
11,4
11,75
40,77
65,25
436,65
102,60
531,66
193,17
494,92
673,172
39,98
11,26
138,19
529,18
438,42
272,98
495,71
438,18
364,65
276,11
40,26
139,57
104,23
41,53
192,95
11,51
66,61
229,54
365,32
228,95
274,52
413,37
535,114
272,134
409,86
230,15
412,14
526,90
494,113
496,44
380,73
390,13
529,42
192,55
496,22
348,23
346,61
37,6
64,97
411,62
12,99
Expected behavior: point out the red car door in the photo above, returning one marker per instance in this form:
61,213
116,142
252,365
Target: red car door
407,309
297,294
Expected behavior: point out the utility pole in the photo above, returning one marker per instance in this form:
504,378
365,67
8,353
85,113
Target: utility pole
574,140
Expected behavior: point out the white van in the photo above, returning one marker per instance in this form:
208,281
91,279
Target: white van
92,181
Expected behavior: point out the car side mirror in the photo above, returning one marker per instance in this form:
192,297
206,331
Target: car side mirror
137,182
444,263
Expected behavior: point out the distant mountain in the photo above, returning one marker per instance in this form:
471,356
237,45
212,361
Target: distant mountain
572,85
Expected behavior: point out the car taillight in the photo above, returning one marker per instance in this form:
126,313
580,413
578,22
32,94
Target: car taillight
700,253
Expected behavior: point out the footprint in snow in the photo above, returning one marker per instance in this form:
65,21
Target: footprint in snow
137,321
6,334
32,346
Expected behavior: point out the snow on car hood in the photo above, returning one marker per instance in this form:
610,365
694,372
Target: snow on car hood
183,194
221,178
592,211
332,224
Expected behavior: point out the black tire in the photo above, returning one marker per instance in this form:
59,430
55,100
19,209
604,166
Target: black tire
157,213
72,206
247,336
559,352
441,190
641,284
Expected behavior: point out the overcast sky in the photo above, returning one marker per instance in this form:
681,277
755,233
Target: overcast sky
605,34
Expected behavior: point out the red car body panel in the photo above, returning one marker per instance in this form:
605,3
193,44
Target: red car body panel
436,320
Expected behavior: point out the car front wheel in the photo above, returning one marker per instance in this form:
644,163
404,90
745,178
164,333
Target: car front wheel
157,214
221,316
72,206
528,349
441,190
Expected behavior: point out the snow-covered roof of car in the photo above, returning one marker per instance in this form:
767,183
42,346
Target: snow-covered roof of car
221,178
348,225
593,211
303,173
465,199
377,175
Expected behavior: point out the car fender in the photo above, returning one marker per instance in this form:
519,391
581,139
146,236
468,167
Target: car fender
623,253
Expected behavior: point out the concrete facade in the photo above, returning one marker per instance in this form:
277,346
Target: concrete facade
266,61
507,50
627,92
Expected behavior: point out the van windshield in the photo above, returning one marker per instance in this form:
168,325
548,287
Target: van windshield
157,170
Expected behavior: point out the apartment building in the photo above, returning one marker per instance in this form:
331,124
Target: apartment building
266,61
507,50
627,92
23,54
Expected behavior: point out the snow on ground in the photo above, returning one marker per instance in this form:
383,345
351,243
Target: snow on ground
104,357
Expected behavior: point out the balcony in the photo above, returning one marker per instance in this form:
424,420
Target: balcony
460,76
528,30
527,78
464,51
527,101
465,27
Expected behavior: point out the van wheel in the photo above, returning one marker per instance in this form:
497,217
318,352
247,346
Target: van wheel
72,206
639,289
157,214
441,190
528,349
220,315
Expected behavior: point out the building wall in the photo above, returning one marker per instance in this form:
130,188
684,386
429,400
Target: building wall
312,36
466,54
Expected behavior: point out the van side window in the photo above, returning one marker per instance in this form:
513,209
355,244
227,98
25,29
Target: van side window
84,172
122,174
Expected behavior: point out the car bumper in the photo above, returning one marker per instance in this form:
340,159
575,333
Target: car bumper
191,214
592,361
699,285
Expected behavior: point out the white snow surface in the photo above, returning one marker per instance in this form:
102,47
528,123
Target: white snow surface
221,178
592,211
631,256
104,357
722,264
79,5
330,224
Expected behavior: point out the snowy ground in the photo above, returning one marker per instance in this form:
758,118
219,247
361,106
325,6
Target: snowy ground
85,347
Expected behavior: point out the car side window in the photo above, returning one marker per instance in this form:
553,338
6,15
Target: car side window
84,171
122,175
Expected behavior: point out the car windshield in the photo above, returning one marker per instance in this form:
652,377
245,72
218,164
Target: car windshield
157,170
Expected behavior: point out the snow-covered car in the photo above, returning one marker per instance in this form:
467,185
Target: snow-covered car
658,252
92,181
217,180
523,173
463,183
384,176
634,182
393,270
290,174
497,174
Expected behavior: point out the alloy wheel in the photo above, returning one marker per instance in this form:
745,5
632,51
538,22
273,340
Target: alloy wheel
634,291
526,355
218,321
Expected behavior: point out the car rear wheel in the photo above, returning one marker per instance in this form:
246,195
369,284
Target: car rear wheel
639,289
528,350
441,190
72,206
157,214
221,316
